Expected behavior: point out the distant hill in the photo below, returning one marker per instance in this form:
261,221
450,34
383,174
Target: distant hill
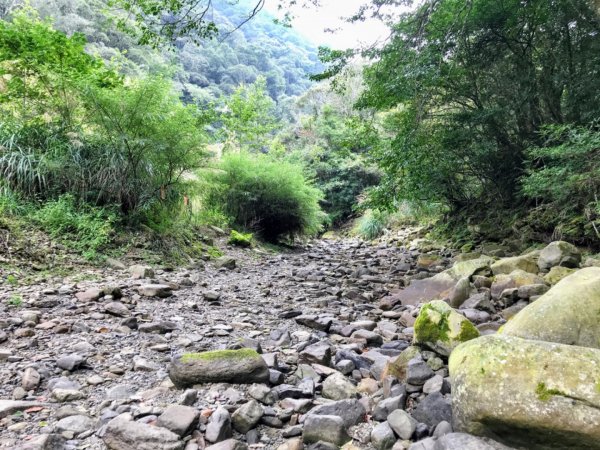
204,72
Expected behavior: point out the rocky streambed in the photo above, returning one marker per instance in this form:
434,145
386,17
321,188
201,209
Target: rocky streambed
326,347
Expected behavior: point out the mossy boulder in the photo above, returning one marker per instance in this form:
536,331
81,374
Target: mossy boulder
527,263
569,313
557,273
221,366
527,394
559,253
441,328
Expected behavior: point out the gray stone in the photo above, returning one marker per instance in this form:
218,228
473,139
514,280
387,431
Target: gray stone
325,428
559,253
225,366
387,405
402,423
138,272
70,362
337,387
262,393
219,427
76,424
247,416
122,433
351,411
383,437
155,290
460,292
226,262
8,407
117,309
433,409
463,441
178,418
372,338
319,353
418,372
229,444
31,379
162,327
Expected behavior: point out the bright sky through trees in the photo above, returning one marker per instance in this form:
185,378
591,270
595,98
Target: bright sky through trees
312,22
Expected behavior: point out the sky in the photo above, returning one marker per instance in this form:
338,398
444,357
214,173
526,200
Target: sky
311,22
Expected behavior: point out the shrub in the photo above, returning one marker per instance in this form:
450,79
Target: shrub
240,239
272,197
372,224
87,229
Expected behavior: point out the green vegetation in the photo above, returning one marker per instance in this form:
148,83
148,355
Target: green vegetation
372,224
240,239
15,301
544,393
219,354
269,196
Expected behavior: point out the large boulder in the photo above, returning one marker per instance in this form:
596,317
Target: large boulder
559,253
221,366
421,291
468,268
515,279
441,328
538,395
568,313
527,262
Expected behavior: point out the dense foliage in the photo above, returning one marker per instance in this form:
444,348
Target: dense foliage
469,87
270,197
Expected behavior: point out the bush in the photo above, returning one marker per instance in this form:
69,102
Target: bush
258,193
564,180
86,229
372,224
240,239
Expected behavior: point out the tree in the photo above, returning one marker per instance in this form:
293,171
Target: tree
468,86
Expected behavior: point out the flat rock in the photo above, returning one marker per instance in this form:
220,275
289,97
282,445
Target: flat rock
121,433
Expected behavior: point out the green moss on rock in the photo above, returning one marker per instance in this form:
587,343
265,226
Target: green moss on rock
544,393
219,354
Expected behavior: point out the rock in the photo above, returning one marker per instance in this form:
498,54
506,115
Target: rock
515,279
246,417
527,263
383,437
441,328
419,291
337,387
567,313
532,290
43,442
226,262
385,407
402,423
559,253
138,272
434,384
157,327
117,309
425,444
470,268
66,395
556,274
418,372
351,411
221,366
90,295
76,424
315,322
398,366
31,379
433,409
370,337
262,393
229,444
463,441
325,428
70,362
122,433
155,290
219,427
510,388
178,418
319,353
8,407
460,292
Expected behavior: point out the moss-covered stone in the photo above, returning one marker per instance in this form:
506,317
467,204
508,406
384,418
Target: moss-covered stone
569,313
221,366
397,367
557,273
468,268
525,393
441,328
